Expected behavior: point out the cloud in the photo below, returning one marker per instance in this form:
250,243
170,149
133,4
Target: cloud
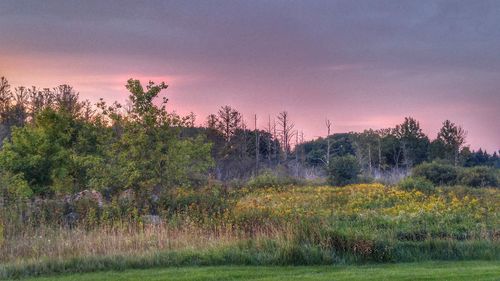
352,60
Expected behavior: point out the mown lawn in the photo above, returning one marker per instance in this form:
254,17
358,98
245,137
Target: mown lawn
474,270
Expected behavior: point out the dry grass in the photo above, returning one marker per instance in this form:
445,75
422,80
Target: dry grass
35,244
63,243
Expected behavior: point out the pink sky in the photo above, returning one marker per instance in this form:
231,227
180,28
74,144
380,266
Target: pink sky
360,64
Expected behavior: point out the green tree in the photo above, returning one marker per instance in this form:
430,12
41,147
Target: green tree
414,143
38,151
46,153
146,151
453,139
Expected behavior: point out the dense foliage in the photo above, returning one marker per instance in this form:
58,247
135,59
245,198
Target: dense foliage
438,174
446,174
480,177
66,147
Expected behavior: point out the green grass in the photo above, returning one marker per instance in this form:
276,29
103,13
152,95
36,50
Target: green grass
471,270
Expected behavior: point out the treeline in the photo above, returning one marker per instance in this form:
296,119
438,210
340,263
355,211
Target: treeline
400,148
54,143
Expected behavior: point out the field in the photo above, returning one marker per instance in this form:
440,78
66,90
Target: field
272,226
411,271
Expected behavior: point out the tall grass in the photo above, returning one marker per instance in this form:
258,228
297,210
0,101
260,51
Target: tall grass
280,226
72,251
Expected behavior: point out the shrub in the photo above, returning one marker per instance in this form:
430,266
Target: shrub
416,183
480,176
14,186
343,170
270,179
438,174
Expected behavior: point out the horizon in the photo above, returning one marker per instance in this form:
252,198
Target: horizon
360,64
201,122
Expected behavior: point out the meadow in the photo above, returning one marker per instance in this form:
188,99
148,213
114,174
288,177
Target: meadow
282,225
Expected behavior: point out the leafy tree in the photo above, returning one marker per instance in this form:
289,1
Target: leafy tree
414,143
453,138
42,152
391,150
146,152
437,150
495,160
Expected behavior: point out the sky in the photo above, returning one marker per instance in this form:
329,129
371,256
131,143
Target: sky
361,64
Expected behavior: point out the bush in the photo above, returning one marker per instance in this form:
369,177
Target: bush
343,170
270,179
480,176
417,183
14,187
438,174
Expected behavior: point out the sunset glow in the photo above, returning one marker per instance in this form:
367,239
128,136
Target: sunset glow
359,63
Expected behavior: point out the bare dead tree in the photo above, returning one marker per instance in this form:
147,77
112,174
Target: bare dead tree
228,121
5,104
328,128
286,132
296,153
257,139
302,149
190,119
379,146
461,136
244,150
370,158
19,111
5,98
275,137
269,139
212,121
